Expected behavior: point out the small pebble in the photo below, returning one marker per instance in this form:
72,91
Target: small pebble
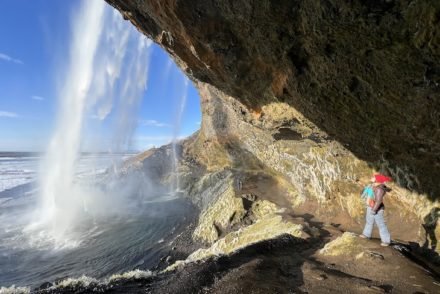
321,277
376,288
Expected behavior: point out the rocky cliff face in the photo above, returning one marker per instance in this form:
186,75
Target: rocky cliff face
319,92
365,72
301,102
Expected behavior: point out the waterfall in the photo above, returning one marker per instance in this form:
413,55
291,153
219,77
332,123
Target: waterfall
175,185
107,64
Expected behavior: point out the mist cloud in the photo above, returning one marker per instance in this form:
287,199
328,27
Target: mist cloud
8,58
8,114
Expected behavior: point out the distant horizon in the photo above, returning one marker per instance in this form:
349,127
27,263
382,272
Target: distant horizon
96,152
3,153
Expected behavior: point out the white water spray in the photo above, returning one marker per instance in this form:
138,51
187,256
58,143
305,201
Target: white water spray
175,161
107,57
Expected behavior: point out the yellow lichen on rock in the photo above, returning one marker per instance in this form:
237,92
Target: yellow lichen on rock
435,237
264,229
343,245
226,211
348,198
263,208
280,111
269,227
292,194
209,152
354,205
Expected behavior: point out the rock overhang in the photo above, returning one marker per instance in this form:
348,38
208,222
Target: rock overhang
367,73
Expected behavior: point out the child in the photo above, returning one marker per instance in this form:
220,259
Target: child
375,209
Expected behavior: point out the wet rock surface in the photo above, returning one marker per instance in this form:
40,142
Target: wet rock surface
283,265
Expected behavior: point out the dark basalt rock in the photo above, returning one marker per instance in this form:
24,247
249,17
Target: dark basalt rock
366,72
45,285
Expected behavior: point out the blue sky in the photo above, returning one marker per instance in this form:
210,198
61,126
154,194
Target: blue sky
35,39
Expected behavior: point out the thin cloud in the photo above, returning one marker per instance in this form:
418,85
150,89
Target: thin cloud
153,123
8,114
38,98
10,59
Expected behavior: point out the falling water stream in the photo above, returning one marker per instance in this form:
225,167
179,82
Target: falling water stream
91,82
176,132
72,227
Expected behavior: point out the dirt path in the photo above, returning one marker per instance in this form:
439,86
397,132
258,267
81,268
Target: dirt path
402,268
